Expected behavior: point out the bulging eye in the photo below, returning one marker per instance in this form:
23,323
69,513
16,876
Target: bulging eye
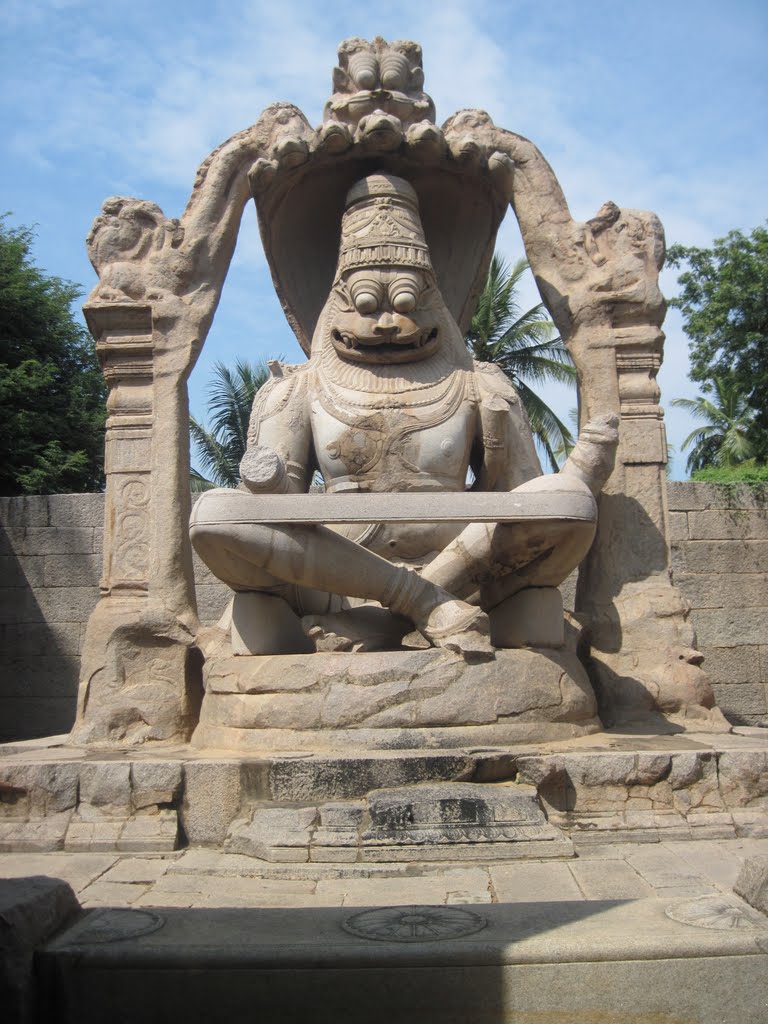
366,303
404,302
394,70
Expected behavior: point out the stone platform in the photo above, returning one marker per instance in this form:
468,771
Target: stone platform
521,801
647,934
400,700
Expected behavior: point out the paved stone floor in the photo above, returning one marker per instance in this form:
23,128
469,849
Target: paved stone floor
207,878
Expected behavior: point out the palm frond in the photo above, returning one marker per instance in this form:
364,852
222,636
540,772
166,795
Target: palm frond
548,429
212,456
736,447
723,439
198,483
220,448
525,345
537,369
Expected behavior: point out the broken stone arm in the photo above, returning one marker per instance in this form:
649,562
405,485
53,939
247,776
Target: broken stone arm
504,435
278,458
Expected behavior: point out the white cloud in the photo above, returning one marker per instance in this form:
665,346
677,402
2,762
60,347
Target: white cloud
672,120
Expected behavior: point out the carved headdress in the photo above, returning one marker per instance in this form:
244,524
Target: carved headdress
381,226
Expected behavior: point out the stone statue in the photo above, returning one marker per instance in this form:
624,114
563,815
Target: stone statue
378,227
391,401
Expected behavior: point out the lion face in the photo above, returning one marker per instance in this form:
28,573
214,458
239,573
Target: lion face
385,315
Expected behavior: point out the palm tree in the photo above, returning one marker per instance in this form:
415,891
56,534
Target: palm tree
219,449
724,440
526,347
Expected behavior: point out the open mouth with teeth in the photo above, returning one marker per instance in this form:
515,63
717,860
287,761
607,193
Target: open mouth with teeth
389,348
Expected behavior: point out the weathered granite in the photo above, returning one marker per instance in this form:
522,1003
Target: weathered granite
597,788
390,405
40,659
752,883
32,910
401,297
400,699
640,961
720,562
429,822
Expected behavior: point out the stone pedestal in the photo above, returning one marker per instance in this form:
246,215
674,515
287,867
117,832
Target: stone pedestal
428,822
393,700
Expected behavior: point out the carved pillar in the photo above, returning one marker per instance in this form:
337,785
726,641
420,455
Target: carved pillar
631,543
138,673
642,656
124,346
641,414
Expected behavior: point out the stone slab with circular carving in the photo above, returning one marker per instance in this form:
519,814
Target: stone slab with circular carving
414,924
715,912
115,924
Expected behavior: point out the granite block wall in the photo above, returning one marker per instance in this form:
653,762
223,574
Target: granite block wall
50,564
719,538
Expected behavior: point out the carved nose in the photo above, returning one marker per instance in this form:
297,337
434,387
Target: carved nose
386,325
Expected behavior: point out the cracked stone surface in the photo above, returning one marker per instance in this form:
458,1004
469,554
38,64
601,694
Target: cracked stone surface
209,878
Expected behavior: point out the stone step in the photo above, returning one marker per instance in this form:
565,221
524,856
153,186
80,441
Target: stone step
597,789
428,822
702,961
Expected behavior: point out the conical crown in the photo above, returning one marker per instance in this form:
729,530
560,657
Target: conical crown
381,226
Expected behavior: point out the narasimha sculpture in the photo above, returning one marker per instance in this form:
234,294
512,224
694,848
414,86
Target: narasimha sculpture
437,546
391,401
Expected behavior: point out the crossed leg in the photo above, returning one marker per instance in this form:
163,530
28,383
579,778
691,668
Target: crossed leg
254,556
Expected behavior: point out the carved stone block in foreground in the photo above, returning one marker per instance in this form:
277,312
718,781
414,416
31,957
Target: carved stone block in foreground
32,910
440,821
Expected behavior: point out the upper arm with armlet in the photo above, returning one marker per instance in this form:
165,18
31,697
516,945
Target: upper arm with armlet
280,421
509,454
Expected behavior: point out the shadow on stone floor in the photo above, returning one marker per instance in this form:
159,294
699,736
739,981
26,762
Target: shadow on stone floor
404,964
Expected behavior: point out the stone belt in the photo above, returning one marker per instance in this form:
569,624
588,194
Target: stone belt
412,507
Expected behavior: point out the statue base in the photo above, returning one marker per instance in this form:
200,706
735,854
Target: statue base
397,700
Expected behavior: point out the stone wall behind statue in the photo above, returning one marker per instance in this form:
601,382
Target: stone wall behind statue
719,537
50,564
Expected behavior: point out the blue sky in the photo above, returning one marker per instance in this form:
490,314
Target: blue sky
658,106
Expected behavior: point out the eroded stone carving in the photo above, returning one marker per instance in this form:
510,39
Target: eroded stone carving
379,77
366,314
391,401
159,284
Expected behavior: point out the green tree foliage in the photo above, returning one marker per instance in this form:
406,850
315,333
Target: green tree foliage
51,388
724,439
526,347
220,447
748,472
724,302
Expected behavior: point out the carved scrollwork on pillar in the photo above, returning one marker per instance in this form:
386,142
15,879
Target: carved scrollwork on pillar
130,560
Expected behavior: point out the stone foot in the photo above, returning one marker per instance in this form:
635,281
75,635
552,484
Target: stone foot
356,629
458,627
